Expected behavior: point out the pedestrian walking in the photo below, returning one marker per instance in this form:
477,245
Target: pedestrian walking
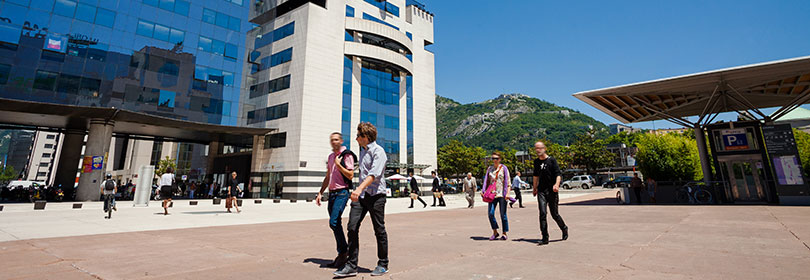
211,189
437,191
339,175
233,192
516,184
166,192
368,197
652,186
415,193
636,185
547,177
495,192
470,188
192,189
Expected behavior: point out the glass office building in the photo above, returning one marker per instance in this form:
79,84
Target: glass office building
180,59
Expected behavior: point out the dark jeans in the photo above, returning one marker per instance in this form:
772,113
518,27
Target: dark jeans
519,197
549,200
638,195
375,205
494,223
337,203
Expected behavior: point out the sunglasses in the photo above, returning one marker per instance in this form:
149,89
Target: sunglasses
496,158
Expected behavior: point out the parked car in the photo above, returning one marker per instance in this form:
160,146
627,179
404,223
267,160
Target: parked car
582,181
618,181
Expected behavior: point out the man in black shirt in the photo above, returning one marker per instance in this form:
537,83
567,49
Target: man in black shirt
547,177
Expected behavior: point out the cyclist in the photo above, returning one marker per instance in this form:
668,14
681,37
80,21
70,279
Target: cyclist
109,188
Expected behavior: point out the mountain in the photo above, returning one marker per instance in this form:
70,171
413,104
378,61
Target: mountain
509,121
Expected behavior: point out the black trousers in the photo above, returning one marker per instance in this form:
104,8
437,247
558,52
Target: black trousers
638,195
441,199
420,200
374,205
519,197
549,200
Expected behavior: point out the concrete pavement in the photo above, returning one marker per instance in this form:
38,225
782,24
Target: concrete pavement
608,241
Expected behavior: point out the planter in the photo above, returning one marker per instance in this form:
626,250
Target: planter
257,201
77,206
192,202
238,202
39,205
217,201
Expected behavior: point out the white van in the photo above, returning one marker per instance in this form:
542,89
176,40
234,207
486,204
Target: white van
582,181
24,184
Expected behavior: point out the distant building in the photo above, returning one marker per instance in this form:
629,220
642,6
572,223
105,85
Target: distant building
798,119
669,130
616,128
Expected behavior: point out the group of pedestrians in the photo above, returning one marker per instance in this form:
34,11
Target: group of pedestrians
495,192
369,197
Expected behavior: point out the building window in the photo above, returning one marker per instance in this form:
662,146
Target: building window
380,91
160,32
177,6
46,155
50,136
277,140
5,71
84,12
374,19
268,114
157,148
166,99
68,84
346,112
217,47
89,87
385,6
279,84
349,11
45,80
212,75
43,164
48,146
275,35
281,57
221,20
237,2
42,174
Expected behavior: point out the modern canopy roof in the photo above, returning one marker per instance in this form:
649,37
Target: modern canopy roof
781,83
50,115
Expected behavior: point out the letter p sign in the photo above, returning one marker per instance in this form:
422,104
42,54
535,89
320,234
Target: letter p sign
732,139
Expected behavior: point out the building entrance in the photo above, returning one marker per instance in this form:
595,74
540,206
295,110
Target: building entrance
745,177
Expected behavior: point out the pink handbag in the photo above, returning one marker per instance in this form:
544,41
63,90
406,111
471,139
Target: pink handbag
489,194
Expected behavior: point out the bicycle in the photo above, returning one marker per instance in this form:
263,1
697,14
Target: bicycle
108,205
693,193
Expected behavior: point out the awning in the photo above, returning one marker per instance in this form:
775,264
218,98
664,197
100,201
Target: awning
782,83
50,115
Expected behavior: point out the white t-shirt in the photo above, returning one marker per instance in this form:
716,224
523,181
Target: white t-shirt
166,179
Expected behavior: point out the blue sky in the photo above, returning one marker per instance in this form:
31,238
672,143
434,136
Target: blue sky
552,49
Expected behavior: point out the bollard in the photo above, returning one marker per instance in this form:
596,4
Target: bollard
39,205
238,202
77,206
257,201
309,199
217,201
1,207
193,202
293,200
276,200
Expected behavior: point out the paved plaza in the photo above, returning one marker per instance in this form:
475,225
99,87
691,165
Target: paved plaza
293,241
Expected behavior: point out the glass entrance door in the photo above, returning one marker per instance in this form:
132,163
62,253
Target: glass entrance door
745,179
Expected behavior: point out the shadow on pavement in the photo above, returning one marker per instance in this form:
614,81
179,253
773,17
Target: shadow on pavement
206,212
321,262
534,241
600,201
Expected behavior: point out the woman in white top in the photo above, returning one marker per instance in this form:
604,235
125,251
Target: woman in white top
497,174
166,182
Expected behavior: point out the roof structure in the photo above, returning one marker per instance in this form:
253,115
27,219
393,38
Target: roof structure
60,116
749,88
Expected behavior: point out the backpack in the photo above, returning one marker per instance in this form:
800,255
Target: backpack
109,185
343,154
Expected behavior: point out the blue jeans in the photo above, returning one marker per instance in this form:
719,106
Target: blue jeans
337,203
494,223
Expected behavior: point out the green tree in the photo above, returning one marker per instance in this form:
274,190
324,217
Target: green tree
457,159
803,143
624,137
164,164
8,174
589,152
668,157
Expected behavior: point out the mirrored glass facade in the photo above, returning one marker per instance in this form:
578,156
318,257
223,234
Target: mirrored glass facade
173,58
